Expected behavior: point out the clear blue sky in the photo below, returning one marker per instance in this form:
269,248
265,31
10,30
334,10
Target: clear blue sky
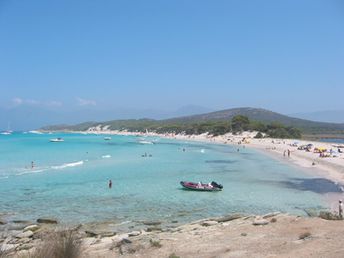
287,56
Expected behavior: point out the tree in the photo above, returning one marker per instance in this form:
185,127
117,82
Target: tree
240,123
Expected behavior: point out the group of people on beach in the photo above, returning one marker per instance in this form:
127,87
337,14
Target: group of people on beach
287,151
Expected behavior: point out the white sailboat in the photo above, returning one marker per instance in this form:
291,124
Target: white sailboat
8,131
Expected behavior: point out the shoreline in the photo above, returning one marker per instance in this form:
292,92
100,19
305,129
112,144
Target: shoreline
330,167
272,231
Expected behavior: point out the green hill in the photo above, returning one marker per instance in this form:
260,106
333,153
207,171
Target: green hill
217,119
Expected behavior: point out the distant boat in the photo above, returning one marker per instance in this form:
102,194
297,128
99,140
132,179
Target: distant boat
57,140
146,142
35,132
107,138
8,131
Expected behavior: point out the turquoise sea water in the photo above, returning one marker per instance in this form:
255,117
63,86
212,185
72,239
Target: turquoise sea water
69,180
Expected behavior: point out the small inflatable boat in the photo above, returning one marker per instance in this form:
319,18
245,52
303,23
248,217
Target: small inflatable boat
213,186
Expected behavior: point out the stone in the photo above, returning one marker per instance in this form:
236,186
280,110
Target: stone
229,218
272,214
32,228
26,234
91,233
134,233
2,222
209,223
260,222
47,221
152,223
150,229
8,247
21,221
90,241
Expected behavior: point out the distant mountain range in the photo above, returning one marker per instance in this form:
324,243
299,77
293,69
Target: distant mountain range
27,117
330,116
256,114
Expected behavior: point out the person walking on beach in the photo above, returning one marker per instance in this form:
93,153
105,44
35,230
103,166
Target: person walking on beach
288,153
284,153
340,209
110,184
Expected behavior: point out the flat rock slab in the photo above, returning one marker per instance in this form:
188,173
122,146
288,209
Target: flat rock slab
209,223
134,233
32,228
272,214
229,218
8,247
26,234
47,221
102,234
259,222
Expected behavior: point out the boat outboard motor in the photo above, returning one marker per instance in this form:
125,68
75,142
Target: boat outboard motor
214,184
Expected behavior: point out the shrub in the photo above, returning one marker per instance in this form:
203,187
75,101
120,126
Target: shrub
273,220
155,243
62,244
173,255
259,135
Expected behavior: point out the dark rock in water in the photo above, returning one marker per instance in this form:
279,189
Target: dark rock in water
152,223
174,221
311,212
150,229
47,221
229,218
21,221
328,215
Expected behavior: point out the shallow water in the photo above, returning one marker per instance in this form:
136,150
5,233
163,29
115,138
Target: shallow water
69,180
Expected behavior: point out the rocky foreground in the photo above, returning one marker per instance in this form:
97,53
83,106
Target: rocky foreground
272,235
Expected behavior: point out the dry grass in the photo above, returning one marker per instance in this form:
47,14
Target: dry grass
2,253
62,244
173,255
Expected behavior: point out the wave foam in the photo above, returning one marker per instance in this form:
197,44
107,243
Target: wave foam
106,156
67,165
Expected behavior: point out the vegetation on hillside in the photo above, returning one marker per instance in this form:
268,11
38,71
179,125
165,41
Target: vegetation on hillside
220,122
236,125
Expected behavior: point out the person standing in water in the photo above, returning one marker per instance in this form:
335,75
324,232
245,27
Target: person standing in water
340,209
32,165
110,184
